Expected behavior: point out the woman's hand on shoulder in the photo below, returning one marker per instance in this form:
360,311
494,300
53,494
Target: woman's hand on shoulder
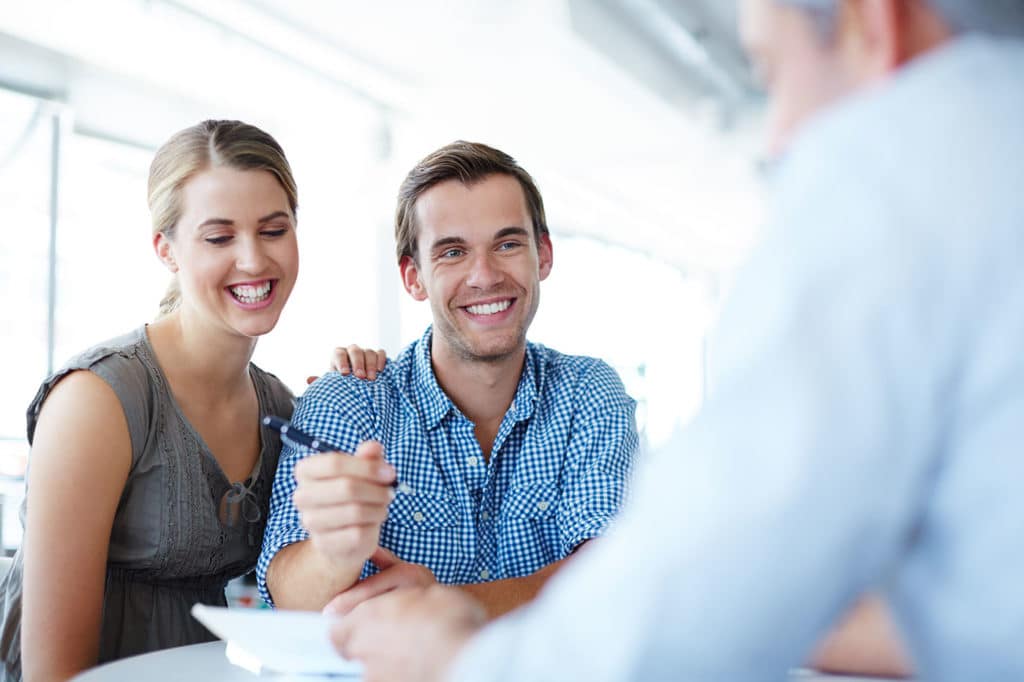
353,359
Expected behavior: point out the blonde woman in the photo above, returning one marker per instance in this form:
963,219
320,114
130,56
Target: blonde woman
150,475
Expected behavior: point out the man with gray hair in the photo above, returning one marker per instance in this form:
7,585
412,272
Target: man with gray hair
865,432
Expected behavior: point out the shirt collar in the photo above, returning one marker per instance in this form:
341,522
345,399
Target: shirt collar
435,403
525,400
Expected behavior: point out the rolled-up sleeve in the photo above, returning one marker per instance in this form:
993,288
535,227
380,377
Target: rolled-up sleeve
600,457
336,410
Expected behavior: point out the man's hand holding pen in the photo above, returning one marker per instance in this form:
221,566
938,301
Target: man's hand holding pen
343,500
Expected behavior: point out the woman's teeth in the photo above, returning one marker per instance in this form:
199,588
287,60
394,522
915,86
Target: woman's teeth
247,293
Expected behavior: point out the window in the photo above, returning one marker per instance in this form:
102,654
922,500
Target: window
26,138
108,278
102,220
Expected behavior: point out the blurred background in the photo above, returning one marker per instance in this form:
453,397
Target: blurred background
637,118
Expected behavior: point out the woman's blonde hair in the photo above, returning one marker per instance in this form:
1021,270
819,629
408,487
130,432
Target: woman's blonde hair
209,144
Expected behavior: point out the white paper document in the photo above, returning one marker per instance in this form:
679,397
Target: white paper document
289,642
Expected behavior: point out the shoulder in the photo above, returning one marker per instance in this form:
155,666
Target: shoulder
334,392
126,354
348,392
83,390
333,388
121,365
85,411
586,378
125,362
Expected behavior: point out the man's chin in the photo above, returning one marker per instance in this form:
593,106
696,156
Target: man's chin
491,350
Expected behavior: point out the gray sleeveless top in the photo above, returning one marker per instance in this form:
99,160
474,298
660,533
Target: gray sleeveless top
181,529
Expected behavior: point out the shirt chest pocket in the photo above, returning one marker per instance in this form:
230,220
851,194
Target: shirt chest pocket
425,529
530,536
423,512
534,501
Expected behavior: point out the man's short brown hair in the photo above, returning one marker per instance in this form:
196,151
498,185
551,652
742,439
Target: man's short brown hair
469,163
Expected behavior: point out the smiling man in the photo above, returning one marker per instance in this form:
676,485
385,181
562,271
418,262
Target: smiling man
866,426
510,455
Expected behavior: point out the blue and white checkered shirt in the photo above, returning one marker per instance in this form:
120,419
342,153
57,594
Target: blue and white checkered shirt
556,476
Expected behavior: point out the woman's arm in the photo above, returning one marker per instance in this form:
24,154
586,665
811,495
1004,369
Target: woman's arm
78,466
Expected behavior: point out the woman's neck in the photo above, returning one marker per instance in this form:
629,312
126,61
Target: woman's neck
197,357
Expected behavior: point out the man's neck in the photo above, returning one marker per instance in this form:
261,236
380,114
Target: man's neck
483,391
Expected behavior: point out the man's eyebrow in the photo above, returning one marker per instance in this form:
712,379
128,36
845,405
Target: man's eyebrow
447,241
459,241
511,232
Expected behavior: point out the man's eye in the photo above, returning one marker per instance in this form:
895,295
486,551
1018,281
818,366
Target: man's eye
505,246
217,241
452,253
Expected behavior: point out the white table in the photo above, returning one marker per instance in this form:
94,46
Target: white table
194,662
207,662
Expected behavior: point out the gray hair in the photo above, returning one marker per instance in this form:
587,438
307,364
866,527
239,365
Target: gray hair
991,17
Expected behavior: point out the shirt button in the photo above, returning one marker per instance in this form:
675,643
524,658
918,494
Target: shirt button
484,515
543,505
418,517
471,461
485,574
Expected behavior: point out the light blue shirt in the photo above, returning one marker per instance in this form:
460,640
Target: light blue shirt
867,426
555,478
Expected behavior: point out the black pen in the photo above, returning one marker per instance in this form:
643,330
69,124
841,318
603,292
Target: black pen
292,433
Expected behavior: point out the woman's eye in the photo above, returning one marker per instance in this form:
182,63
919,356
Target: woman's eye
217,241
275,232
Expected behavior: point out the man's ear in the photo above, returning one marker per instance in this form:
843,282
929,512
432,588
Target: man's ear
545,256
411,278
164,250
874,36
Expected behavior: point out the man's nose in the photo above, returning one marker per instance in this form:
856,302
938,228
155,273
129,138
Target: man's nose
484,273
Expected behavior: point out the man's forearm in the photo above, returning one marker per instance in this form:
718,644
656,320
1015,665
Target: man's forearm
501,596
301,578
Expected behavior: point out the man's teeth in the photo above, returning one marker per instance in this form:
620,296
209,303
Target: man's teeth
246,293
489,308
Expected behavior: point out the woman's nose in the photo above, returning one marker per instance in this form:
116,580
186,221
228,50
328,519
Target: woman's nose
251,256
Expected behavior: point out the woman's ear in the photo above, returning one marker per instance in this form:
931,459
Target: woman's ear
165,251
